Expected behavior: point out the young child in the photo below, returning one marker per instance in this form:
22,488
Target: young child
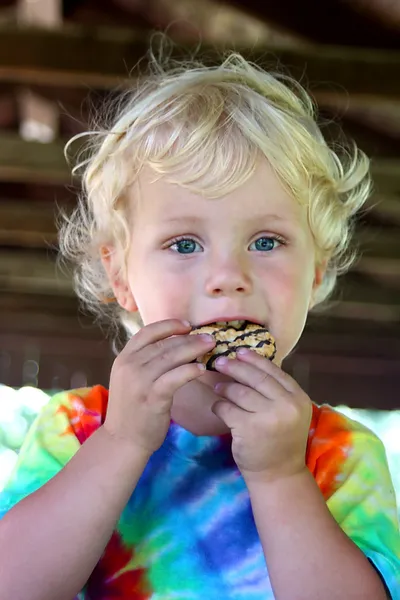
179,483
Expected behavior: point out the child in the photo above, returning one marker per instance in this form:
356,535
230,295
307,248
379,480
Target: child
180,483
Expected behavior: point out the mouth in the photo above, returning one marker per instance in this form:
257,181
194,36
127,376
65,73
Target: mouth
235,322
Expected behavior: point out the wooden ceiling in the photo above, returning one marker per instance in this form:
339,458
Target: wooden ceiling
57,59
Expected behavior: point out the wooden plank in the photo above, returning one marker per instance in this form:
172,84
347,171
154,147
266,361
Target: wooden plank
385,272
106,57
386,174
64,362
378,243
41,314
367,309
27,223
40,303
387,206
357,298
328,22
34,273
38,117
22,161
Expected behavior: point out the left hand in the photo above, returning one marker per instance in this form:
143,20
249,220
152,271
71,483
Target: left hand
269,416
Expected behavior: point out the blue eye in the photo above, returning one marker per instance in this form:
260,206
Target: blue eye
188,245
184,245
266,244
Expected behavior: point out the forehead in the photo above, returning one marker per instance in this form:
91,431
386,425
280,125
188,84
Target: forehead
154,198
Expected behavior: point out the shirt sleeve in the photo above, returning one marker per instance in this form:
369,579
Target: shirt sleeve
62,426
350,465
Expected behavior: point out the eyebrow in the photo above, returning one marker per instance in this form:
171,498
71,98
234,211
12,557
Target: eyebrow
252,221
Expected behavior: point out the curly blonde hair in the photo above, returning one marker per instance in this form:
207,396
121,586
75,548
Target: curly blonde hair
205,128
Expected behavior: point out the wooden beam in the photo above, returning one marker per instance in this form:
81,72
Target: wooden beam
375,121
330,334
17,302
24,313
376,134
386,206
363,310
378,243
22,161
327,22
107,57
38,117
34,273
382,11
357,298
41,313
27,223
386,270
386,174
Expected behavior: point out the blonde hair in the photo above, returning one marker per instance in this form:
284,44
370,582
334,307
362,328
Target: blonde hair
205,128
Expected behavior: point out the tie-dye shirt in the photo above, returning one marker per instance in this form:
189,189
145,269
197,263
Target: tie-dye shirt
188,531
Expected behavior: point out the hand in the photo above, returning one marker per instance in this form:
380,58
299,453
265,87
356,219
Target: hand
144,377
269,416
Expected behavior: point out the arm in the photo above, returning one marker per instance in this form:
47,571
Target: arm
308,555
59,532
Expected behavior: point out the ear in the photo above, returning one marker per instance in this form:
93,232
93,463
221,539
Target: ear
121,289
320,270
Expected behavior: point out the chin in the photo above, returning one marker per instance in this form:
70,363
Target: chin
193,402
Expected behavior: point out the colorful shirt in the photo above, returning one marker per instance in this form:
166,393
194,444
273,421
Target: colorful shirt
188,531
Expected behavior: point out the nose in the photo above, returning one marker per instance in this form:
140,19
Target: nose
228,279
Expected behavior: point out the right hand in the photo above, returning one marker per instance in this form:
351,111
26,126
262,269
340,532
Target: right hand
144,377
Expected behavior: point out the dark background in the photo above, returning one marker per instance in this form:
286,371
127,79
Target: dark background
57,58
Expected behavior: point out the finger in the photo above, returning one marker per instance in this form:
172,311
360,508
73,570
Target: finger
253,377
167,354
163,354
165,386
155,332
229,413
251,357
243,396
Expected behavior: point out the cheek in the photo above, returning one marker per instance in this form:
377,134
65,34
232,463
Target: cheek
289,295
291,285
160,293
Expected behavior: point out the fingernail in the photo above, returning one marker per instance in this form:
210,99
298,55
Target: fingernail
243,351
206,337
220,362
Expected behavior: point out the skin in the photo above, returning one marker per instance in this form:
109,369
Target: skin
226,274
222,273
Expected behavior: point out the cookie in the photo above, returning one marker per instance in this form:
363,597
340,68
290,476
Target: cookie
232,335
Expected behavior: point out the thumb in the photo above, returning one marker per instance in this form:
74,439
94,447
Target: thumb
221,408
